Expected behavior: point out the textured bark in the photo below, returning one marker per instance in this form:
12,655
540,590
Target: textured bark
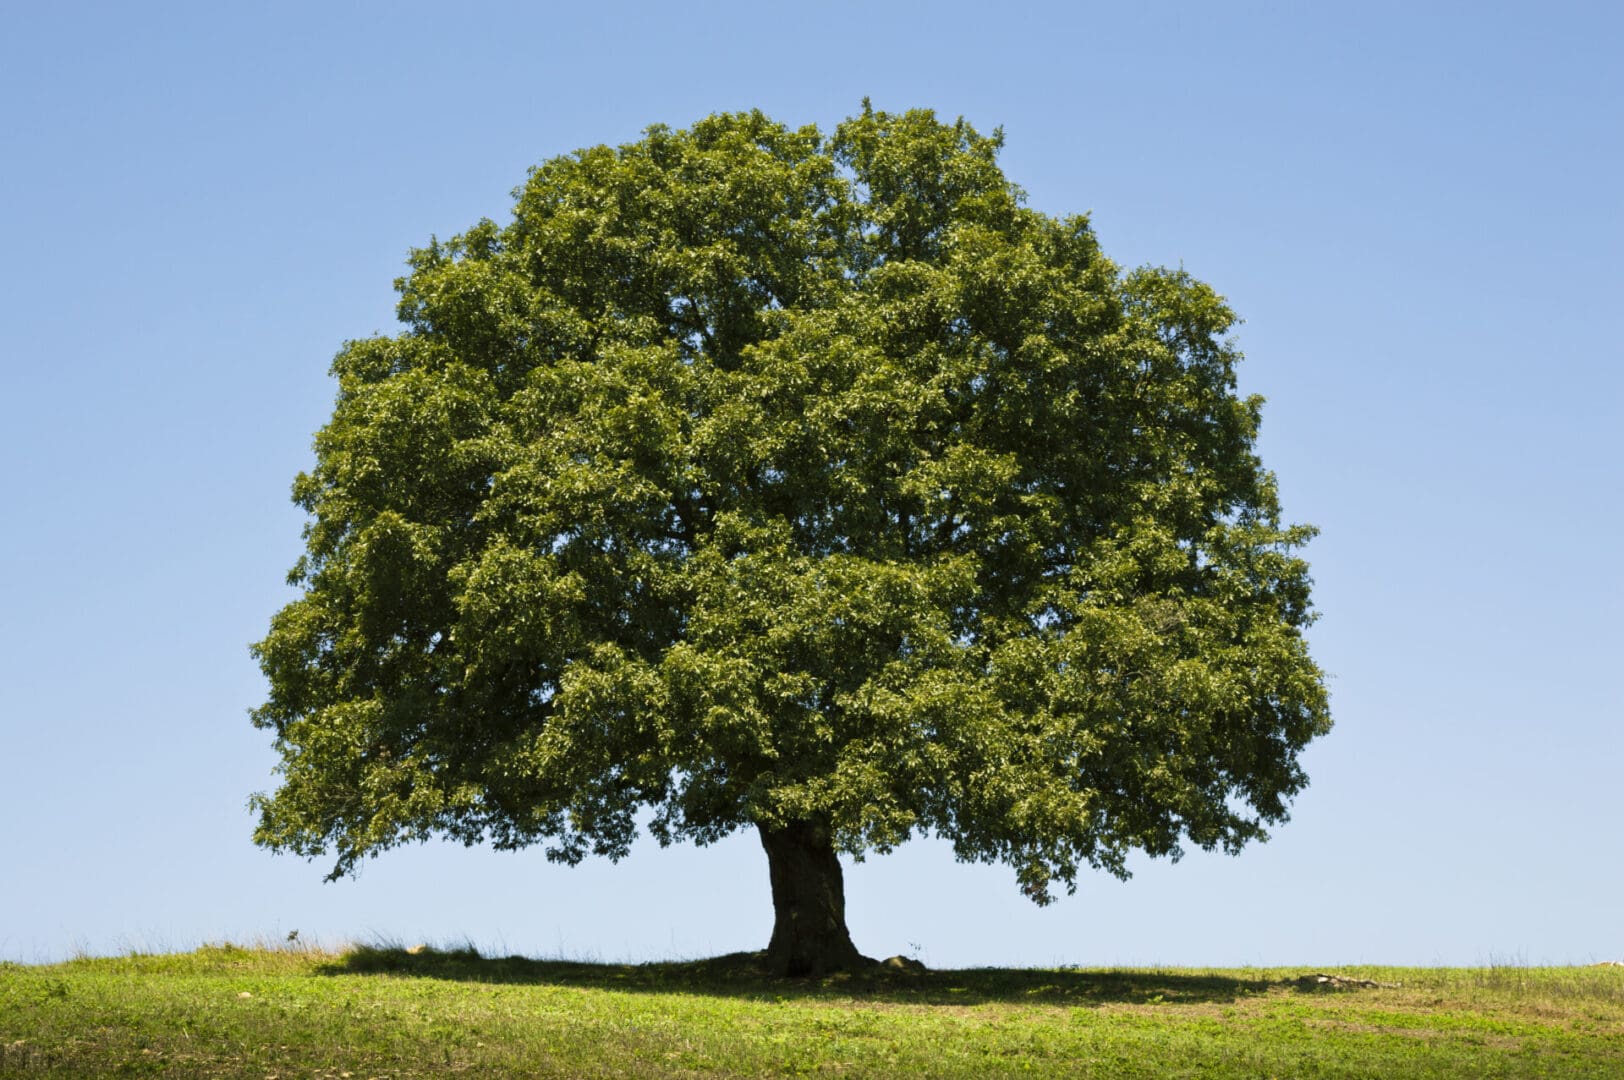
809,903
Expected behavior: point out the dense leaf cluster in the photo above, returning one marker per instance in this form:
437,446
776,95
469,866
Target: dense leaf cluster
752,475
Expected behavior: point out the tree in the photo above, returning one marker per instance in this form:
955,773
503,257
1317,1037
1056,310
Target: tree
753,477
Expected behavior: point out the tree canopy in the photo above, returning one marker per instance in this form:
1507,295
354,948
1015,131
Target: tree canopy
813,482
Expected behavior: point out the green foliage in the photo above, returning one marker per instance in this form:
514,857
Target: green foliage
752,475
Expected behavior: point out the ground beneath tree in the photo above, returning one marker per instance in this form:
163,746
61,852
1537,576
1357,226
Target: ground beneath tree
1320,981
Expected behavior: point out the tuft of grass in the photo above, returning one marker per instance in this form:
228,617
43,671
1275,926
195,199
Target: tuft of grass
384,1011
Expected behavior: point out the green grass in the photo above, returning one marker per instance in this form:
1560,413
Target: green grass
382,1012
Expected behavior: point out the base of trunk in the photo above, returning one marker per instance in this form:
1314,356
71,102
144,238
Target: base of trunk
809,903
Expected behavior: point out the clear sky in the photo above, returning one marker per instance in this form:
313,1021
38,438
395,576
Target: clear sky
1415,207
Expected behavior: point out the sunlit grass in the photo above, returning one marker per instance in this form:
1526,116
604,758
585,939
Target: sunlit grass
384,1011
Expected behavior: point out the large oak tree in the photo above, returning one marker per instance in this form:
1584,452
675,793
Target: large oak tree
761,478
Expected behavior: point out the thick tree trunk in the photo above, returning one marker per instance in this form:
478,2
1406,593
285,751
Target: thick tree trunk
809,903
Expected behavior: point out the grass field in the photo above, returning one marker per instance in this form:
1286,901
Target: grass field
276,1014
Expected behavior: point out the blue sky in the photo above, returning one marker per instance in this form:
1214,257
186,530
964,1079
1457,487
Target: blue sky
1415,207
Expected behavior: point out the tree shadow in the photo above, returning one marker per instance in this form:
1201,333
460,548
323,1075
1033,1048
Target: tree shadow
742,975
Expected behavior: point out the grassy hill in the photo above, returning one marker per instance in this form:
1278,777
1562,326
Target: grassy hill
275,1014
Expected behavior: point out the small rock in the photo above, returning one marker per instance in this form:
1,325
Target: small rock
903,963
1343,982
245,994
